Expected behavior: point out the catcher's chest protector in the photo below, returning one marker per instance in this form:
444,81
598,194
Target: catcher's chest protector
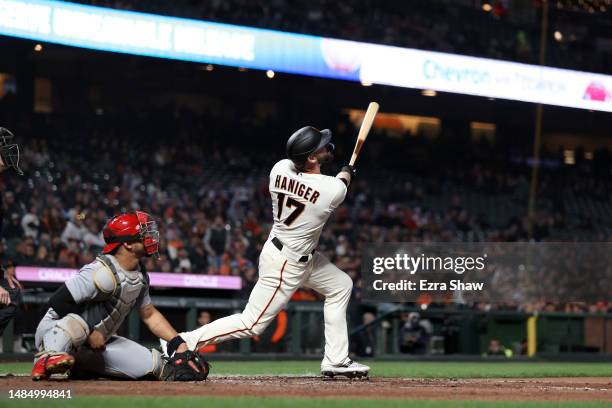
119,292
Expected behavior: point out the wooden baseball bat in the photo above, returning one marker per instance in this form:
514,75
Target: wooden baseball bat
368,119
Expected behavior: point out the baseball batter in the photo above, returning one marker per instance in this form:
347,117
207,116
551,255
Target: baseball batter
302,201
78,332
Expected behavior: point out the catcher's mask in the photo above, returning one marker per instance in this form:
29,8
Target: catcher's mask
132,227
9,152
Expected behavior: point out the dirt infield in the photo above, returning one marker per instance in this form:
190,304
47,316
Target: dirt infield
541,389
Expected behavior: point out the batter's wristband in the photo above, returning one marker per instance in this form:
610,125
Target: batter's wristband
173,345
350,170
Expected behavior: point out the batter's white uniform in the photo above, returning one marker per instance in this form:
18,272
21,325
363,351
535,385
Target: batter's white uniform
301,205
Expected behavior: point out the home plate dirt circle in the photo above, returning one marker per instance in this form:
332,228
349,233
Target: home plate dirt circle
502,389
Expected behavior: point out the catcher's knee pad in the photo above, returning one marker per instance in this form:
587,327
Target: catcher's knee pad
69,333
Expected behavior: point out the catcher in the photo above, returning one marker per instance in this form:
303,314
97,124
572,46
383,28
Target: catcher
78,332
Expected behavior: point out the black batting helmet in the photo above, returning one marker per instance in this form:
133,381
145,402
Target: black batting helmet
305,142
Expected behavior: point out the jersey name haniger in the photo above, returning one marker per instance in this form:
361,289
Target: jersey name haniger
295,187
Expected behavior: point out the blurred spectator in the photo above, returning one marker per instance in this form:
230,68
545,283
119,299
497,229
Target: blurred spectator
13,229
93,236
364,342
183,261
217,241
204,317
74,230
414,334
30,224
495,348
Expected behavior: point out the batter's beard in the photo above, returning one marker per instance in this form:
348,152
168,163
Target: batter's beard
325,158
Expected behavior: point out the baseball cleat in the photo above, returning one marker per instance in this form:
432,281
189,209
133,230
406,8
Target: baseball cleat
350,369
51,363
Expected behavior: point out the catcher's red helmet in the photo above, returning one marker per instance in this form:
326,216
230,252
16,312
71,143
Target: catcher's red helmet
132,227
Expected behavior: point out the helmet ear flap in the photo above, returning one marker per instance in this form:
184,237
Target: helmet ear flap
106,232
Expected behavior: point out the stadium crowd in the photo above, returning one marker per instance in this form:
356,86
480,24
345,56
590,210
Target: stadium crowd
211,201
495,29
204,176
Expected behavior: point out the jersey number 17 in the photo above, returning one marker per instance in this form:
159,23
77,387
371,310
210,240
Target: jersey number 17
290,203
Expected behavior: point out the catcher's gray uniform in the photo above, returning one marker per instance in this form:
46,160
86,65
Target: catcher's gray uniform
108,294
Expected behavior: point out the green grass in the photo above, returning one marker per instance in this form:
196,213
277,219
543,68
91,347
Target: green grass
399,369
220,402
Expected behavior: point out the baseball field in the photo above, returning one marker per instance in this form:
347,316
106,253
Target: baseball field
297,384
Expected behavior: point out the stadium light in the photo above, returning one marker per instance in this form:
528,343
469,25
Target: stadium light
270,74
207,42
568,157
38,48
428,92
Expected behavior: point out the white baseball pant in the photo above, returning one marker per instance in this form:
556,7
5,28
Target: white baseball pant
279,278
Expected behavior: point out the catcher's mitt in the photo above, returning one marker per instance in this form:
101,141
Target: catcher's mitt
177,367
